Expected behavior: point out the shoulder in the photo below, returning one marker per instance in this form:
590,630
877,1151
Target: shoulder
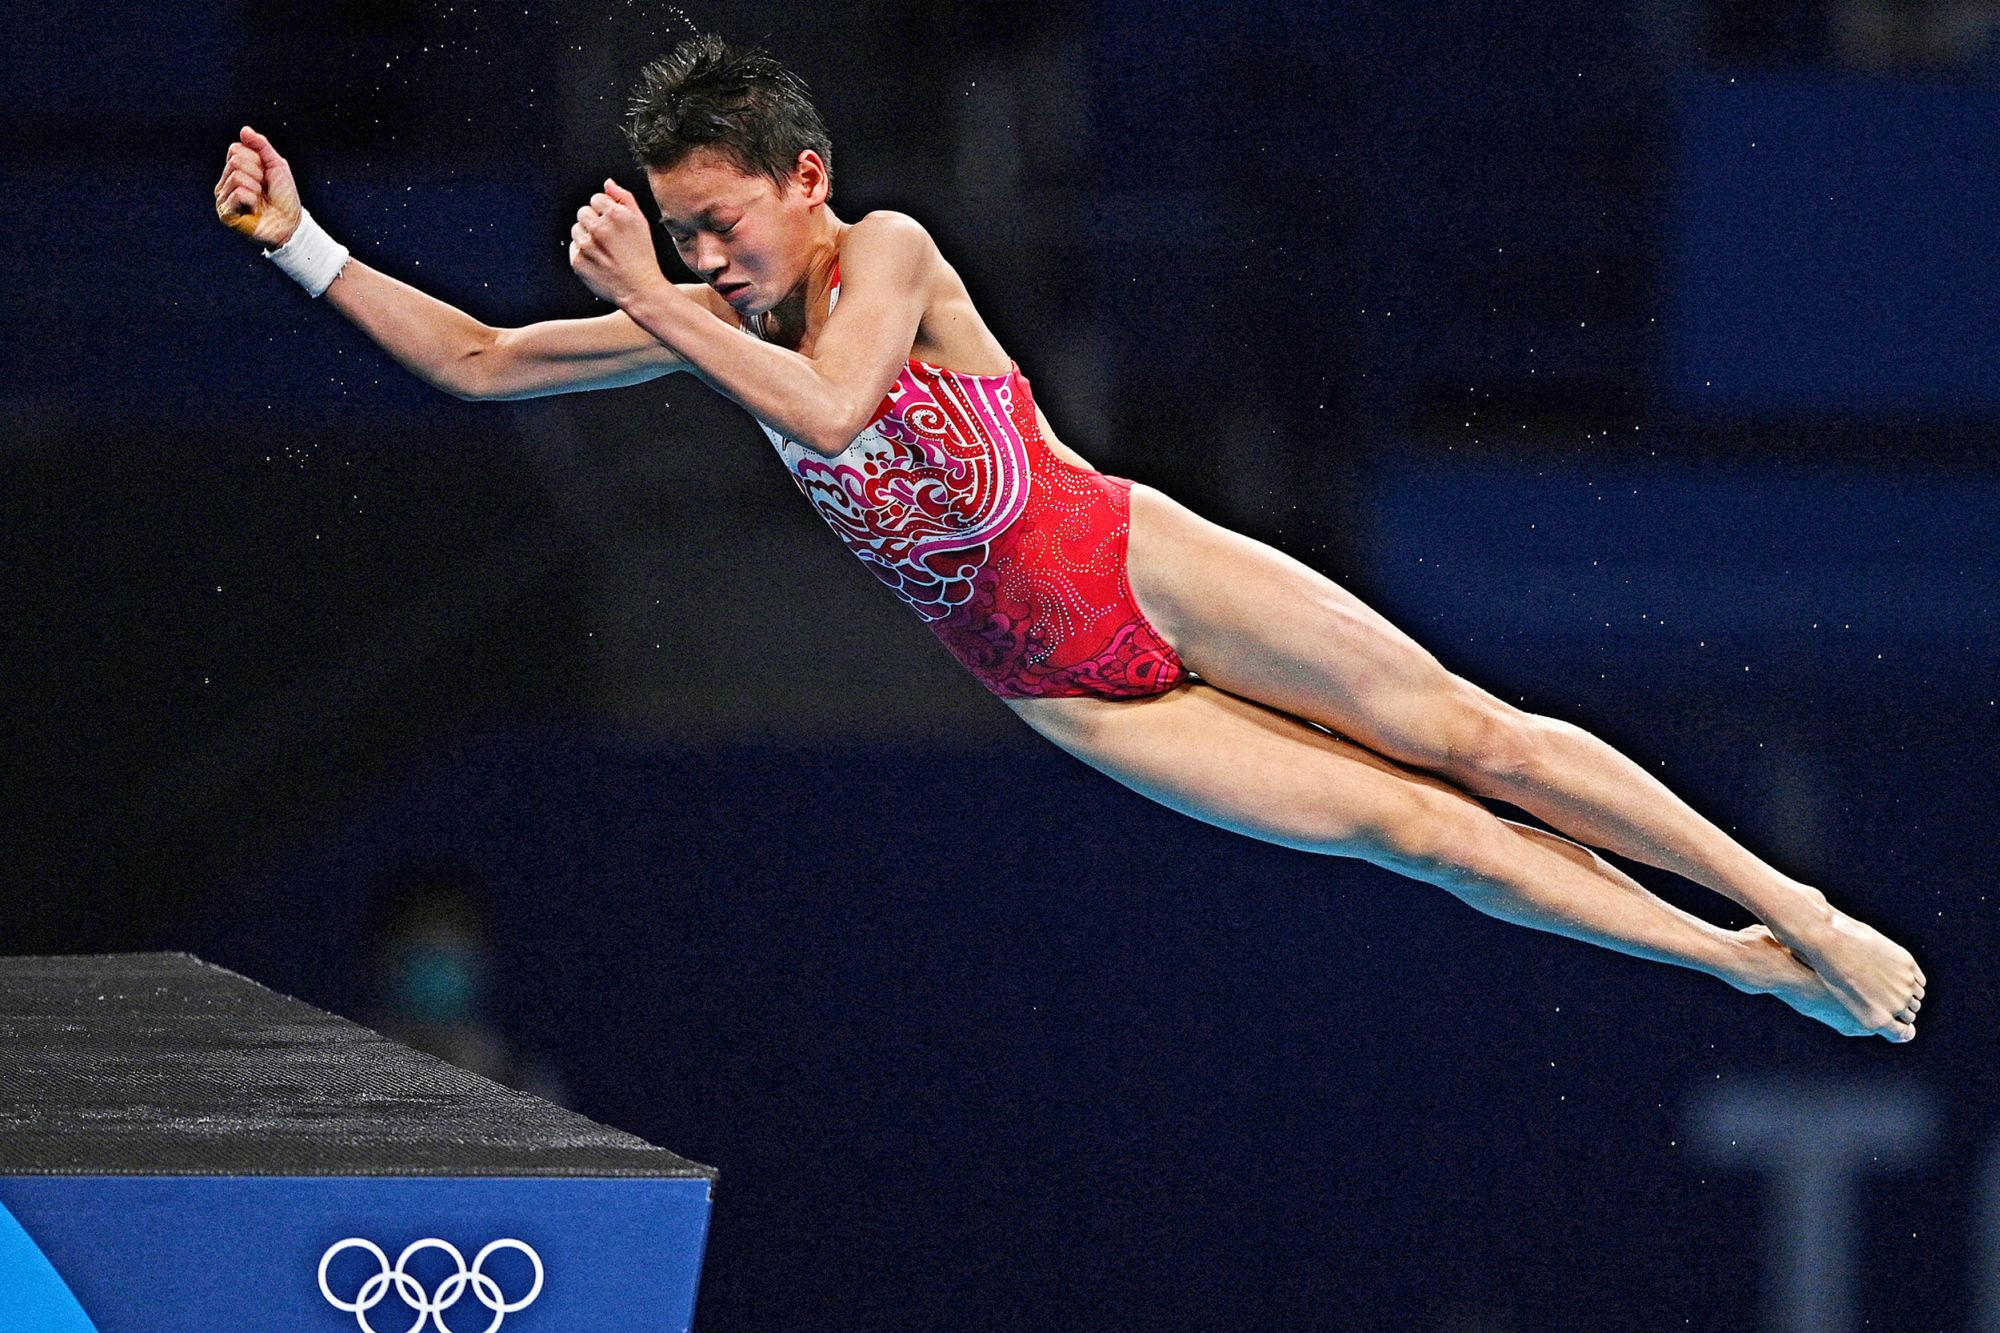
889,223
886,239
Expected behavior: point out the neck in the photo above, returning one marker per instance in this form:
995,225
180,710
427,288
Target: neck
786,321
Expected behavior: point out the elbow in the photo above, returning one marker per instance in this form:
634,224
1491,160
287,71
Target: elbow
827,446
836,436
469,378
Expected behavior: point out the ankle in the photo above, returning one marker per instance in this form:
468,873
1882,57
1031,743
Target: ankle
1800,911
1756,961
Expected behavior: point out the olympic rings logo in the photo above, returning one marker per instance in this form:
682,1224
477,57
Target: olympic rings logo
428,1306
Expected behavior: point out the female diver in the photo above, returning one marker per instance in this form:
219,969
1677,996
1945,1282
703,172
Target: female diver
1196,666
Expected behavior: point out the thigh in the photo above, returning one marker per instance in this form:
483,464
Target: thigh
1257,622
1240,765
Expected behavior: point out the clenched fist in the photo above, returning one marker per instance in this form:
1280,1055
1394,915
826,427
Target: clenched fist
611,247
257,195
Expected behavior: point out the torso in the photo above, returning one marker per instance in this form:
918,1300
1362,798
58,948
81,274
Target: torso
1010,548
950,334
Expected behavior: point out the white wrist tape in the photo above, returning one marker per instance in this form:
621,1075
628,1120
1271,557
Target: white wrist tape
311,258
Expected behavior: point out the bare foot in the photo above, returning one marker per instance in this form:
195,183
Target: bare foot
1873,976
1770,968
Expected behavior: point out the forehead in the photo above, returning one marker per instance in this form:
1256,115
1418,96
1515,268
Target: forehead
704,180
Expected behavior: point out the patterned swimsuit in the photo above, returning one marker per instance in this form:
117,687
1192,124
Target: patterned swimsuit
1014,557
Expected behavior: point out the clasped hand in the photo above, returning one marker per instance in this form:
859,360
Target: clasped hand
611,246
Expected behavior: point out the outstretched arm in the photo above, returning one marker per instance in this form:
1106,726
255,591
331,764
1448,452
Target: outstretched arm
434,340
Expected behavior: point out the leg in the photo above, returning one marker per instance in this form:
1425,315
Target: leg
1242,766
1257,623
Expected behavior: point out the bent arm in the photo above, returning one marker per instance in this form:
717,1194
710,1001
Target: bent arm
823,400
459,355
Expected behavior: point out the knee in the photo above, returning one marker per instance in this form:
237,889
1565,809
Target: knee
1428,836
1488,740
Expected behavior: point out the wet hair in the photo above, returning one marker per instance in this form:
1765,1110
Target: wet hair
741,104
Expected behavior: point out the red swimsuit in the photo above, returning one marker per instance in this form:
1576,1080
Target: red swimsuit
1014,557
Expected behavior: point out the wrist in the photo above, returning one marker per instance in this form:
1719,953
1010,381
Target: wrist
651,295
656,307
309,256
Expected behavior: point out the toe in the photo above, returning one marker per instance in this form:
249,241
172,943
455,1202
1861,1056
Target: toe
1901,1032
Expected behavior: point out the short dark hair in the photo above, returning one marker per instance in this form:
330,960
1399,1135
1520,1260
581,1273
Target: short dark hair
744,105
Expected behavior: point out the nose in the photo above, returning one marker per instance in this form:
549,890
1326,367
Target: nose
708,259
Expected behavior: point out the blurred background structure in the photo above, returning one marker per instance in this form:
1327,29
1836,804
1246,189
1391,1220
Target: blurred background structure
1641,359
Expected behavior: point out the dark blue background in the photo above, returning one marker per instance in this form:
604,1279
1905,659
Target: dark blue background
1492,314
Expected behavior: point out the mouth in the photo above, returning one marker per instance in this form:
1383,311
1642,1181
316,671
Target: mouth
730,290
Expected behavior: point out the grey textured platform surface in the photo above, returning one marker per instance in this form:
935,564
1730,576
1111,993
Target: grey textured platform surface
161,1064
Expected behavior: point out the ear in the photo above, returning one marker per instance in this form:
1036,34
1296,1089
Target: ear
810,173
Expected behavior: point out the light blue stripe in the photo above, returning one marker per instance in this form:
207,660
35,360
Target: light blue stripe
33,1296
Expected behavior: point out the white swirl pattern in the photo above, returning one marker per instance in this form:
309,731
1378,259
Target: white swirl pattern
921,491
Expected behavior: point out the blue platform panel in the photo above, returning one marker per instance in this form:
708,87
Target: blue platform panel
160,1254
182,1148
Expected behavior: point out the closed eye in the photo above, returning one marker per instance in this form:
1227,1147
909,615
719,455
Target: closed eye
679,239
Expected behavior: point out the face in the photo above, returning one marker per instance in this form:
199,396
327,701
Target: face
738,232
